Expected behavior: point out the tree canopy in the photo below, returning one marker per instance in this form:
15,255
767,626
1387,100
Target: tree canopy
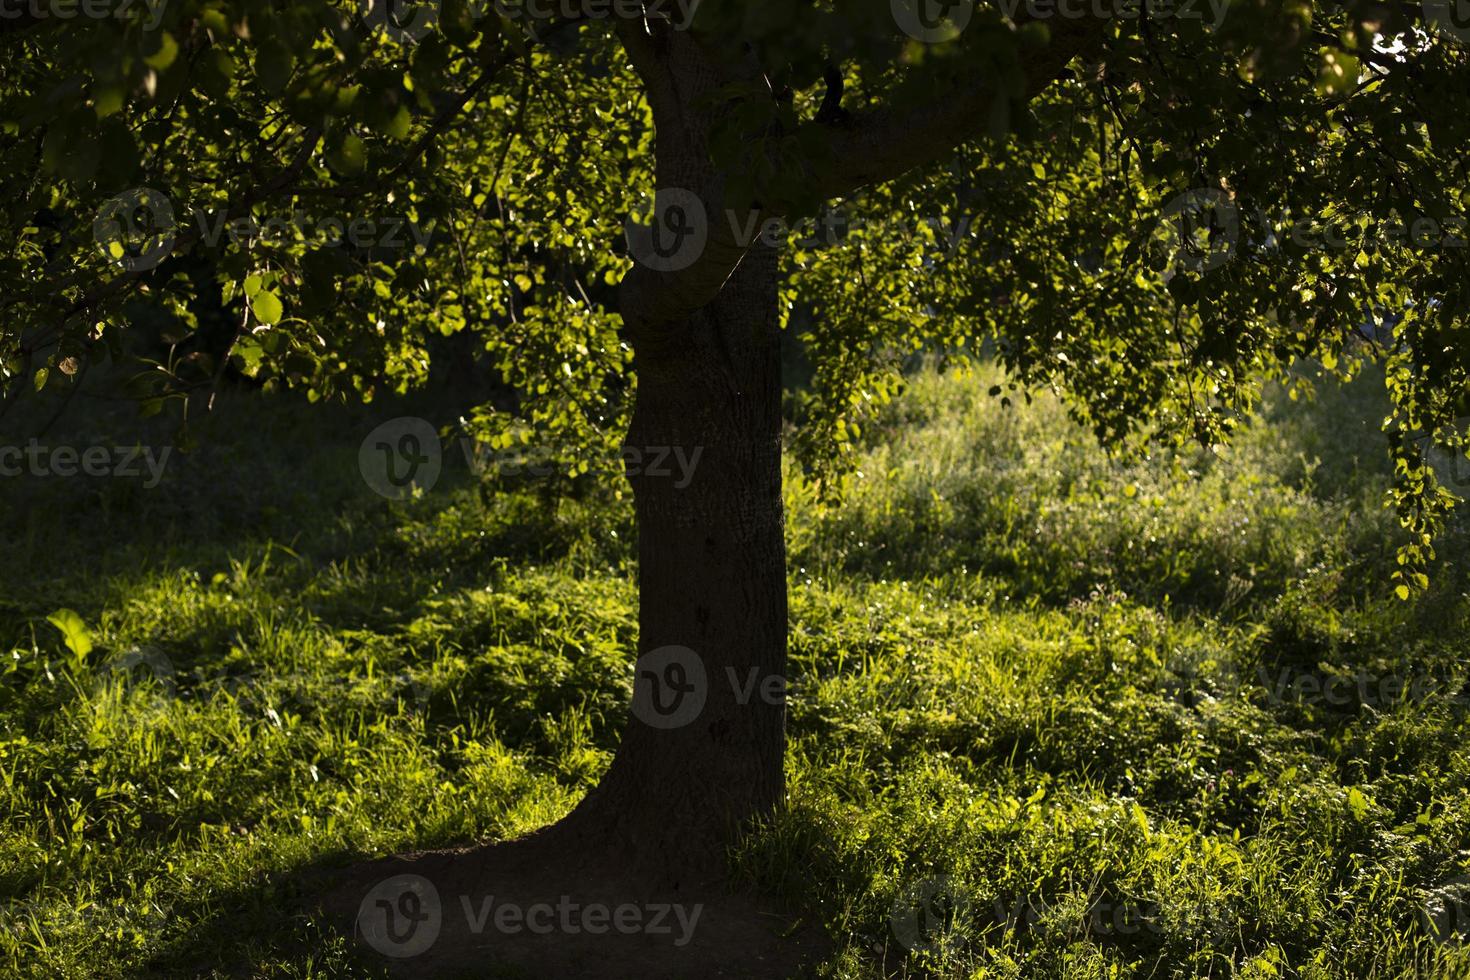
1155,207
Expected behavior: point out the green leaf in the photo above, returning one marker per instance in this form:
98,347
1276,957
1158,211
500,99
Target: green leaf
397,125
267,307
249,355
349,155
1357,803
167,51
106,100
74,631
214,71
274,63
215,22
1339,74
457,21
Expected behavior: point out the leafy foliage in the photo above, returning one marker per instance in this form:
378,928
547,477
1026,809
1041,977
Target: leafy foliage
306,194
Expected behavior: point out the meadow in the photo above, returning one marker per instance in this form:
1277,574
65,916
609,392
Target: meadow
1053,714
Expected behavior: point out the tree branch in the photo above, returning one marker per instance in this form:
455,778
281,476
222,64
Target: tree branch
862,149
884,144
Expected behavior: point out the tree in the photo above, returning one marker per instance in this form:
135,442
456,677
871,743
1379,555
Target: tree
1153,208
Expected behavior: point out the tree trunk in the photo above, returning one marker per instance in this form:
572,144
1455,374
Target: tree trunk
712,589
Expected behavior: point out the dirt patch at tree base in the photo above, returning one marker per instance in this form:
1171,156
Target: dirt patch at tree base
534,908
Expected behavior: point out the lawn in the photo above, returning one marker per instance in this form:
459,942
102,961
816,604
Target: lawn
1052,714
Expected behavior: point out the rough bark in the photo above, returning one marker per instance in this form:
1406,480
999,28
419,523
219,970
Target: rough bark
712,579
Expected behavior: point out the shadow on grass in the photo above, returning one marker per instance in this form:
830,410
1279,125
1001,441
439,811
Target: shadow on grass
573,919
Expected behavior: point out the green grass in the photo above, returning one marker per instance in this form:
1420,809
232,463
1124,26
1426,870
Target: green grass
1071,703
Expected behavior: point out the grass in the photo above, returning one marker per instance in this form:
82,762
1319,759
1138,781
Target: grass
1053,715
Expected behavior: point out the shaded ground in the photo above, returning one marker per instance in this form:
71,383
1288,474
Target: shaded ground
531,909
